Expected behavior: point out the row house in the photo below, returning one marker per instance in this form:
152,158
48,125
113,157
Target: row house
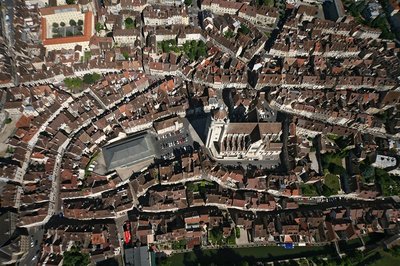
221,7
129,37
259,16
157,16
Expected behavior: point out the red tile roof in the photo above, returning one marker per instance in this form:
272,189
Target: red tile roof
51,10
74,39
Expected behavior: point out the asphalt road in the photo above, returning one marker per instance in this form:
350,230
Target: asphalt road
32,257
183,138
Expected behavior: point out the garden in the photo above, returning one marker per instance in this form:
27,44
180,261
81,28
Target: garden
246,256
76,84
73,28
193,49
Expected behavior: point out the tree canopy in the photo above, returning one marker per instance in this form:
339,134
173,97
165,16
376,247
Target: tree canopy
73,83
75,258
129,23
91,78
194,49
99,26
244,29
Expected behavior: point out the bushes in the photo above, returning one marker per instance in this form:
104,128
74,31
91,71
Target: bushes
181,244
215,236
10,149
99,26
269,3
126,55
332,181
229,34
390,186
244,29
309,190
194,49
237,232
231,240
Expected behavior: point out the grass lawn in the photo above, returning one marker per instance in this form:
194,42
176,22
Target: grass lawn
390,185
92,159
378,257
372,238
332,181
387,259
227,256
332,163
331,159
309,190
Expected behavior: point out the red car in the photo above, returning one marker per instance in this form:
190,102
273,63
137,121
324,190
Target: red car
127,232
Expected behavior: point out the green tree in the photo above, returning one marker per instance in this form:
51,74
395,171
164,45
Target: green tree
126,55
75,258
91,78
237,232
80,22
62,24
72,22
244,29
194,49
55,25
229,34
215,235
181,244
70,2
73,83
129,23
69,33
188,2
10,149
269,3
99,27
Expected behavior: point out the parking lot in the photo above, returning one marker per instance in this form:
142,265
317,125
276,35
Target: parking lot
174,143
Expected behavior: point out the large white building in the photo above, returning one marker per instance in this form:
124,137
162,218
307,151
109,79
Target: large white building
252,141
260,16
168,125
64,14
221,7
163,15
